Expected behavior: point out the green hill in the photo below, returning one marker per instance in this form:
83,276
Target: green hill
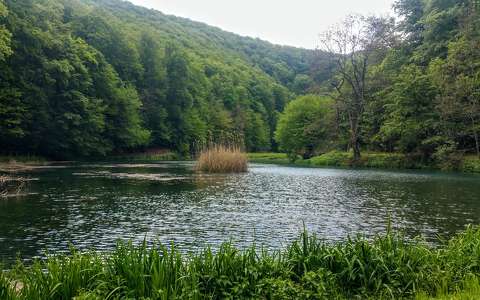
82,78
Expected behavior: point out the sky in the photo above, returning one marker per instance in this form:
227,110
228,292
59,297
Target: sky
285,22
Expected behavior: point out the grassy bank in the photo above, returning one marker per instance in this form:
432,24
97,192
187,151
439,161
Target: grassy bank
469,164
384,268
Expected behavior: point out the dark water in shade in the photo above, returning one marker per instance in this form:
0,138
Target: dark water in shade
93,206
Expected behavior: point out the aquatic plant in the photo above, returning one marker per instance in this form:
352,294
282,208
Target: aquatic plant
222,159
385,267
11,185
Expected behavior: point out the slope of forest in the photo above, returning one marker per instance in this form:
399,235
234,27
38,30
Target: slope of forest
409,86
81,78
84,77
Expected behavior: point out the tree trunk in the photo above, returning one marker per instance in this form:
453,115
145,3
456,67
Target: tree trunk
477,142
475,135
356,148
355,135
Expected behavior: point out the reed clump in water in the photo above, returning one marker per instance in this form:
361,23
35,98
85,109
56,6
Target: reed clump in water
222,159
11,185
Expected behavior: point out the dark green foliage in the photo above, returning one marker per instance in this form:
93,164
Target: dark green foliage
420,96
91,78
5,35
83,78
387,267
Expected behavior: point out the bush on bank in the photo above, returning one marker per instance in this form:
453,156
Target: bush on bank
383,268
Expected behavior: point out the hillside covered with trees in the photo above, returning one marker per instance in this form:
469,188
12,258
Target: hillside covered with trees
89,78
92,78
410,85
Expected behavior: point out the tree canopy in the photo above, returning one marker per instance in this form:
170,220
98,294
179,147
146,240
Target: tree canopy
86,78
305,126
83,78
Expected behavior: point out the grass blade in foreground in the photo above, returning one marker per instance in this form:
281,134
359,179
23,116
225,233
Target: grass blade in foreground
384,268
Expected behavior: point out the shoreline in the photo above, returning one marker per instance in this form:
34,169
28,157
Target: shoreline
370,160
334,159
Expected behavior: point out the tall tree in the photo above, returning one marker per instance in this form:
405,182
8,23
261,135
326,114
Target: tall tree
355,45
458,80
5,35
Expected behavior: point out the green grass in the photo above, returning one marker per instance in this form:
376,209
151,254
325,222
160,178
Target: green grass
379,160
386,267
471,164
276,158
332,159
468,290
341,159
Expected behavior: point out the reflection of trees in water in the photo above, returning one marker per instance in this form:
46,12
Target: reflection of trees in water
426,206
202,208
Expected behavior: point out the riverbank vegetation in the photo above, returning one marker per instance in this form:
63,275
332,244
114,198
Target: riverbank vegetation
380,160
98,78
408,86
222,159
383,268
11,185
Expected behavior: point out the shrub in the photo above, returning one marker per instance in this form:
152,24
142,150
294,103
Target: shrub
471,164
447,157
333,158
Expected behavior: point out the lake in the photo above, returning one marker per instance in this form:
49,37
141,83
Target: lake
91,206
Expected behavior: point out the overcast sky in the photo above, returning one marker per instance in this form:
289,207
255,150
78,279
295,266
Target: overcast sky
286,22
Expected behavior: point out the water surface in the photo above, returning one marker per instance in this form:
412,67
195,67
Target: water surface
94,205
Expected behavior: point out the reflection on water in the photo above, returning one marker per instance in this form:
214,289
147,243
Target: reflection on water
92,206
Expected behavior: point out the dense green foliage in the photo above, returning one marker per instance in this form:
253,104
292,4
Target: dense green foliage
83,78
89,78
386,267
305,126
418,94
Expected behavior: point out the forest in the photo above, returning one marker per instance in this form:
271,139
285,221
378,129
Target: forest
91,78
133,143
84,78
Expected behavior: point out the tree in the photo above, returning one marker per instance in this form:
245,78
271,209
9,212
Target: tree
306,126
5,35
354,45
412,13
411,120
458,80
257,135
301,83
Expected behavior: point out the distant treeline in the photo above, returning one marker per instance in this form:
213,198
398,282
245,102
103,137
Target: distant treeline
410,85
83,78
91,78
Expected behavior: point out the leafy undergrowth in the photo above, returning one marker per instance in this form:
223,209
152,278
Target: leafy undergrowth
384,268
471,164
